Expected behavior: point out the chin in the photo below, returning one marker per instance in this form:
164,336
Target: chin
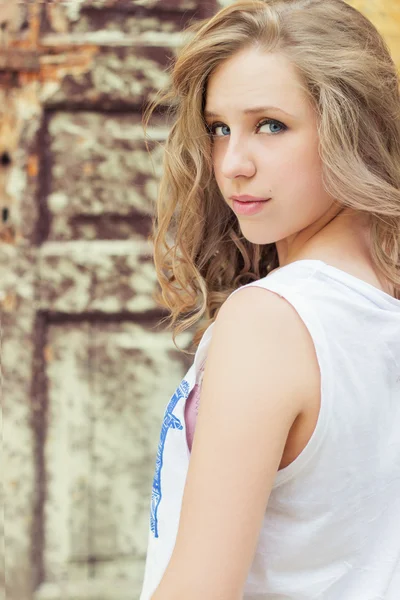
260,237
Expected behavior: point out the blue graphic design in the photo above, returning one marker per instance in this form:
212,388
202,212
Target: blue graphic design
170,422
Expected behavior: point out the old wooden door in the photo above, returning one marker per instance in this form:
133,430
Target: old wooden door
86,374
86,371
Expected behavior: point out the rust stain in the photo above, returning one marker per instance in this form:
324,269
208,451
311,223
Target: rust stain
34,12
30,40
64,61
25,78
88,168
9,302
23,54
33,165
15,59
48,353
10,125
7,235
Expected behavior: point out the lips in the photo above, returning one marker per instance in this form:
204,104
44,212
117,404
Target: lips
245,198
249,208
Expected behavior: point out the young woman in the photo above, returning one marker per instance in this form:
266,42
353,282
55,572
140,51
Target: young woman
281,180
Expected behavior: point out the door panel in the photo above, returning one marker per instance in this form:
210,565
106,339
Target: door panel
88,370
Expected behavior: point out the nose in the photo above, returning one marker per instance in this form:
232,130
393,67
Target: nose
237,161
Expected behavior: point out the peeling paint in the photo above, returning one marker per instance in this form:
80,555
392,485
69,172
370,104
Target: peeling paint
87,372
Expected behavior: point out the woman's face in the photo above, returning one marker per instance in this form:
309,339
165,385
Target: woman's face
266,152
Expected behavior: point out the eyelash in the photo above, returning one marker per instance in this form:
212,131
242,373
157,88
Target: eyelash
212,126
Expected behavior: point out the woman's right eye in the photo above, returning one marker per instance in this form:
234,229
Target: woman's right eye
215,127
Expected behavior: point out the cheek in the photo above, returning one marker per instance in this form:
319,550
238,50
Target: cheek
217,159
297,166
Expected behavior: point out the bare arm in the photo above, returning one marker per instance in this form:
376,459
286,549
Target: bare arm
258,372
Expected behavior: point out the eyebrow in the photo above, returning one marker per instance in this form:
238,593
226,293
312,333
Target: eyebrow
250,111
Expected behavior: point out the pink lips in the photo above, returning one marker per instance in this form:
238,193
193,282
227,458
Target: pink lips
248,207
246,198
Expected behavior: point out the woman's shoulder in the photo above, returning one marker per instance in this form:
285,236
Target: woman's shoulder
271,324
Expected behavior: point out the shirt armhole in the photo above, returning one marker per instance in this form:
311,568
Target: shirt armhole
308,315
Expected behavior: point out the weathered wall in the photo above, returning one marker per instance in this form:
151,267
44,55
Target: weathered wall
86,372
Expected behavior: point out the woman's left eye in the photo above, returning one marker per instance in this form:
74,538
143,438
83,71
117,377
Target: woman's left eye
214,127
271,122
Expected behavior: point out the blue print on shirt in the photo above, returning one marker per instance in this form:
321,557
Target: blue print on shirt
170,422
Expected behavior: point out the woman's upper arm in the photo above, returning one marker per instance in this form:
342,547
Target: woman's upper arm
257,376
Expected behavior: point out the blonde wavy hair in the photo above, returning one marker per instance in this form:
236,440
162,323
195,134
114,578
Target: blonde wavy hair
350,78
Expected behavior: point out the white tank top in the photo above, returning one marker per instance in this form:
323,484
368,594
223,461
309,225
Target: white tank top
331,529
